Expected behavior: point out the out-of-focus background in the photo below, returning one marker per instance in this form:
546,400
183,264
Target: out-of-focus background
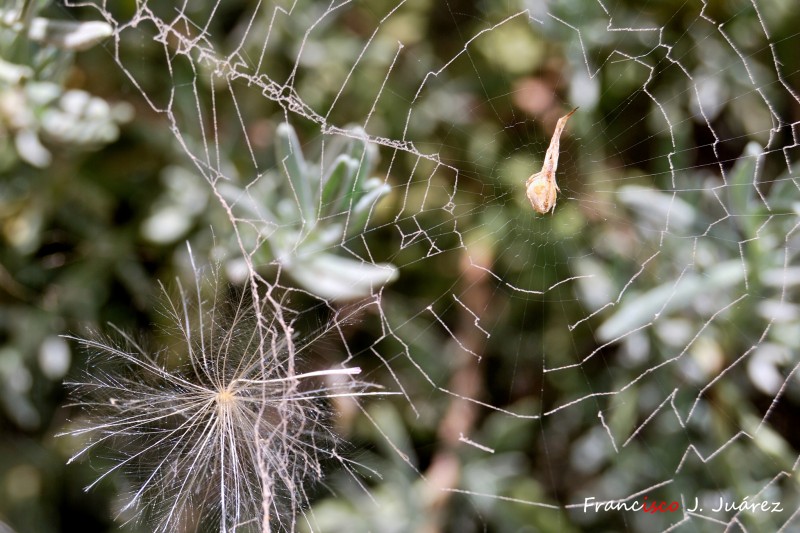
641,341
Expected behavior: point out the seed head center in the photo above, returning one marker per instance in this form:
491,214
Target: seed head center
225,397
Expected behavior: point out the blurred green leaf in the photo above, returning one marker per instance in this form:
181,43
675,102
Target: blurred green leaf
637,310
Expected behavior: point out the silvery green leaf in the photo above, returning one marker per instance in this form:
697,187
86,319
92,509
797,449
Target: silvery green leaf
338,278
289,212
54,357
779,310
14,74
42,93
764,367
66,128
334,146
75,102
374,189
594,282
330,234
290,159
781,277
658,207
241,200
185,189
366,154
167,224
638,310
97,109
67,34
31,149
339,180
742,191
289,243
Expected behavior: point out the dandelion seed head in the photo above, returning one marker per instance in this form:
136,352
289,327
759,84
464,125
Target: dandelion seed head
217,431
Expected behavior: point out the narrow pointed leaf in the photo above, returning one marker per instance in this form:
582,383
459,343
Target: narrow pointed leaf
291,161
742,191
640,309
361,212
335,186
339,278
68,34
366,154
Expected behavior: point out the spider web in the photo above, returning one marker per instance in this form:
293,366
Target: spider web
663,281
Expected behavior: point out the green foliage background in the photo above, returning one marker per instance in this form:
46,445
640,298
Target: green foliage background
76,254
